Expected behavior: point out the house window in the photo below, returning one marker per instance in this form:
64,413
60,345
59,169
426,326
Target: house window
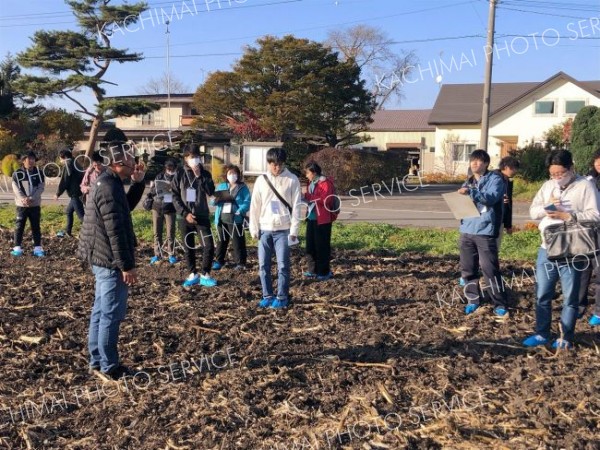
462,151
544,107
147,119
573,106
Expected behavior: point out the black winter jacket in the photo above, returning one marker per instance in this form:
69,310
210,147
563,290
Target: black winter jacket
70,180
107,238
507,212
203,185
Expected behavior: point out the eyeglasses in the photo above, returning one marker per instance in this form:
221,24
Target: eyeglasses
558,174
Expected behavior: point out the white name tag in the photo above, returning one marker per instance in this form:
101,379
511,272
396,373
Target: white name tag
227,208
168,198
275,208
190,195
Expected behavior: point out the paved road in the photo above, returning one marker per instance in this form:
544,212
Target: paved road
423,207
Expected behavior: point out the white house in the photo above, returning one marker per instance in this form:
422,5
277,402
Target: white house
520,113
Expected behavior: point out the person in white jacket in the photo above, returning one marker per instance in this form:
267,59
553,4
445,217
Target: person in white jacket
274,221
566,197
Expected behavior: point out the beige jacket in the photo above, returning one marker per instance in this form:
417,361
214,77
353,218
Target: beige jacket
580,198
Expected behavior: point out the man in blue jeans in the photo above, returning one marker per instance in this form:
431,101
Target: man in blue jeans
70,181
274,219
107,241
566,197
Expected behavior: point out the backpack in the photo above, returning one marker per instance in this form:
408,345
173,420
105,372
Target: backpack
335,203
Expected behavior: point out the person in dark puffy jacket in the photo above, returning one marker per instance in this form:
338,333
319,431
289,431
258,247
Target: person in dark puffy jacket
163,211
70,181
107,242
191,187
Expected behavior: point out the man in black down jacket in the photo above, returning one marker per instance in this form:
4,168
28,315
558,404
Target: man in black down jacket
69,181
107,242
191,186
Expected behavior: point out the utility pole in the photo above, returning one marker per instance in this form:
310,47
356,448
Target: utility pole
487,86
168,83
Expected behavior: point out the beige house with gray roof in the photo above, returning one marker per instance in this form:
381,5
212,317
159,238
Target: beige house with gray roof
406,132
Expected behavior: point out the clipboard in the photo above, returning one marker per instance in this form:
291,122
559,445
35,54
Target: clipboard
462,206
223,196
162,187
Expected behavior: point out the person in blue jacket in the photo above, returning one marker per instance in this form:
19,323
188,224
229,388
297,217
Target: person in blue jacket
478,235
230,217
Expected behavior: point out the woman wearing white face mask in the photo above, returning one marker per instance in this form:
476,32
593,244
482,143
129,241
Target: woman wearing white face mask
566,197
229,219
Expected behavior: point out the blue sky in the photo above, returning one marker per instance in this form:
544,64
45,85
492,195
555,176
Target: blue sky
535,39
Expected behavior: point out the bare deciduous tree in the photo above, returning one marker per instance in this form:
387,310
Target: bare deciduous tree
449,158
158,86
383,68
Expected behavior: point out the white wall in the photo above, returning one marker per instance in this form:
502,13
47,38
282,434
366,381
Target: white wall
519,120
468,134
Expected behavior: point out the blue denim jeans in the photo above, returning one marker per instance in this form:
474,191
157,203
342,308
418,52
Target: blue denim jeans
269,242
75,206
110,306
547,274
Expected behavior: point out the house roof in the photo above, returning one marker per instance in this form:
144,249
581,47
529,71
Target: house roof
187,98
401,120
462,103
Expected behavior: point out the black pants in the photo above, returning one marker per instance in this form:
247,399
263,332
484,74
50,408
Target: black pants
233,232
75,206
205,240
318,247
34,214
586,276
481,251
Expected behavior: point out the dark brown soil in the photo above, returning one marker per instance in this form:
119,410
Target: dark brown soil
370,359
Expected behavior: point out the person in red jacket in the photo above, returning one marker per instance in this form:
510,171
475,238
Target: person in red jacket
320,197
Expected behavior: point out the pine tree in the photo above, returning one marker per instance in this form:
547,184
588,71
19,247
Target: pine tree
73,61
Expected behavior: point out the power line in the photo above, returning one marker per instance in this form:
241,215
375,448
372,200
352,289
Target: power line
280,2
370,19
57,14
557,37
551,5
540,13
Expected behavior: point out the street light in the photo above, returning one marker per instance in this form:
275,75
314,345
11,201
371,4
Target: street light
168,84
